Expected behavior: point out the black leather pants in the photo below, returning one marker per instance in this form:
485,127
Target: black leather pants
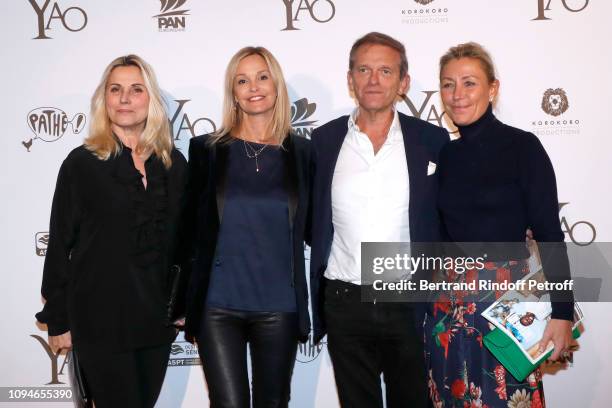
272,338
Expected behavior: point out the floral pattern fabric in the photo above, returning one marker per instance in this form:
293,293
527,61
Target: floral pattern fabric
462,372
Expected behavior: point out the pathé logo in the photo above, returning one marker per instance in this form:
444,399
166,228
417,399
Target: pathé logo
72,18
170,18
301,110
544,5
554,101
320,11
49,124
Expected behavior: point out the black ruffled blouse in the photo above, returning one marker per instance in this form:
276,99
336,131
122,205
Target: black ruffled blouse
110,246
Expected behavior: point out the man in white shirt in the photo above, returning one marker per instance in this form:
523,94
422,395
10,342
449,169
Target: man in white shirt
372,182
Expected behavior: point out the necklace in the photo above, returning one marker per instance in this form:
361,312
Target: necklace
253,153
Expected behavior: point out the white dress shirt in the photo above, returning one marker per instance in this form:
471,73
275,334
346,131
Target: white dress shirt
370,194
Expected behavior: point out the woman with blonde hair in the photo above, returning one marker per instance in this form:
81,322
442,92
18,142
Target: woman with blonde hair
111,243
248,195
495,182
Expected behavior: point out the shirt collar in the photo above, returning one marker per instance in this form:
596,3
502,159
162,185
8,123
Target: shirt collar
395,131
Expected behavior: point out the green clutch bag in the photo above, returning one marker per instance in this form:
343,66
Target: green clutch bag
510,355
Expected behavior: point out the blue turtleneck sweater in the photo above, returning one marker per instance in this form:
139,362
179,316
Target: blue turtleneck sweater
495,182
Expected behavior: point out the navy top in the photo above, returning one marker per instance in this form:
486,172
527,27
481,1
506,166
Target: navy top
252,269
495,182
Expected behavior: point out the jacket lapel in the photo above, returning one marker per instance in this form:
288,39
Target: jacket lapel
291,176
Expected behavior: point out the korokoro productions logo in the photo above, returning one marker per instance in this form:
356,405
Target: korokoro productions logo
183,353
170,17
555,102
572,6
321,11
301,121
308,351
72,18
424,13
50,124
41,241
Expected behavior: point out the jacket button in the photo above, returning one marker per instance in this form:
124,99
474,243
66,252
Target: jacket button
217,262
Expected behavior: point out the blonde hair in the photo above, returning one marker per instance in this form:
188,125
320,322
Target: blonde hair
470,50
280,125
155,139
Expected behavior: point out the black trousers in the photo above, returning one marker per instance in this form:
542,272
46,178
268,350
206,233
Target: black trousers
367,339
272,338
127,379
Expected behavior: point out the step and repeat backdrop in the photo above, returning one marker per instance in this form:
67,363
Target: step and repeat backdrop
553,62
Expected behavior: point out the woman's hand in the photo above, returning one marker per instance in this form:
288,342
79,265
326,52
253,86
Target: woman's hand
560,333
63,341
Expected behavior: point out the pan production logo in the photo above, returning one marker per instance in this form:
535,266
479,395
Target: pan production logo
170,18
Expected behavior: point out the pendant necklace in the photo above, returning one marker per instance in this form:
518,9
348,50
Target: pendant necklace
253,153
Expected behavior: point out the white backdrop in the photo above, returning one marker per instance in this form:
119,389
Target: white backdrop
53,53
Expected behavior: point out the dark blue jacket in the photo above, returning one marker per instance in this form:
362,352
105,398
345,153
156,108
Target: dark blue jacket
422,141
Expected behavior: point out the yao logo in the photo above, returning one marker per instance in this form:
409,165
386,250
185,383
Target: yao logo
199,126
301,111
170,17
41,241
321,11
309,351
428,111
581,233
50,124
574,6
56,370
72,18
554,101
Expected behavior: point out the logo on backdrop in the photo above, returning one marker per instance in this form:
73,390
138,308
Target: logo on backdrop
180,123
575,6
50,124
555,103
170,18
308,351
301,111
581,233
427,110
41,240
183,353
425,14
321,11
71,18
56,369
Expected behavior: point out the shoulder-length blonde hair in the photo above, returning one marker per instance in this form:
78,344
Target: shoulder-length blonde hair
280,125
155,139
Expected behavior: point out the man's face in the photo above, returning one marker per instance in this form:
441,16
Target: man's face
375,77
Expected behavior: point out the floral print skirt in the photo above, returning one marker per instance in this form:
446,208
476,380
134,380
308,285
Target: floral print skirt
462,372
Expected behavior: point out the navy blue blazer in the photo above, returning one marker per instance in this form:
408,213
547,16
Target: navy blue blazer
206,187
422,142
